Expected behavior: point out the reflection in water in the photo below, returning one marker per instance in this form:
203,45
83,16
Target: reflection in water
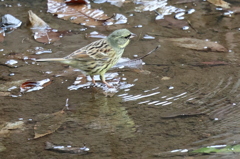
113,118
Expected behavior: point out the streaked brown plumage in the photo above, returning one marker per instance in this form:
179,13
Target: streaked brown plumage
98,57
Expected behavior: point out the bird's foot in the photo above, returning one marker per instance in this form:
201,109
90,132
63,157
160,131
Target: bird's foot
108,85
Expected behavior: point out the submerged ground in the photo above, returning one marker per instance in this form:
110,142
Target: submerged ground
181,99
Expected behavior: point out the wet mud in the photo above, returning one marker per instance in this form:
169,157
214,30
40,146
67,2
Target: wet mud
180,99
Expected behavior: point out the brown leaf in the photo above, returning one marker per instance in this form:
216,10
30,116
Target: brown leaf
197,44
219,3
2,35
76,2
42,31
171,22
80,14
37,22
48,123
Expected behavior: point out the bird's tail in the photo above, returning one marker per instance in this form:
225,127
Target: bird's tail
51,59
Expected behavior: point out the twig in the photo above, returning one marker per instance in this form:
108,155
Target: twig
149,52
190,24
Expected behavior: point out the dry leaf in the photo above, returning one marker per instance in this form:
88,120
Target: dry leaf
80,14
2,35
197,44
48,123
220,3
42,31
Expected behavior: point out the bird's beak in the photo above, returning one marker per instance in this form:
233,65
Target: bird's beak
133,35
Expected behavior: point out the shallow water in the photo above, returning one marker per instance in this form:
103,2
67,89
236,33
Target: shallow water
147,117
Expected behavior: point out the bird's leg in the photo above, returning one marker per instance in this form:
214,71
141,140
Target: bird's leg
102,77
93,81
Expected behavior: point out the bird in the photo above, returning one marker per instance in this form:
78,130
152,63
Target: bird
99,56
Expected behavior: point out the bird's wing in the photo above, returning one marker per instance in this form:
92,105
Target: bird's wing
97,50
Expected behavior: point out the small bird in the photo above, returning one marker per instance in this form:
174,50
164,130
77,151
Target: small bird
98,57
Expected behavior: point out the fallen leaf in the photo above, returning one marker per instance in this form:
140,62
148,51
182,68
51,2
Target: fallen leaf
220,3
69,2
12,126
42,31
9,21
30,86
48,123
197,44
6,127
117,3
67,149
2,35
79,14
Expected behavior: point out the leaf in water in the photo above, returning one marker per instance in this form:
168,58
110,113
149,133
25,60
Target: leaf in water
197,44
2,35
159,6
171,22
6,127
30,86
48,123
12,126
117,3
80,14
77,2
42,31
219,3
67,149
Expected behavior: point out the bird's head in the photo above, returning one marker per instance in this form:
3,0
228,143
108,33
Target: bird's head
120,38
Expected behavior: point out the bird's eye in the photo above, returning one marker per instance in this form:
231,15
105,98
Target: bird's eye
127,37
